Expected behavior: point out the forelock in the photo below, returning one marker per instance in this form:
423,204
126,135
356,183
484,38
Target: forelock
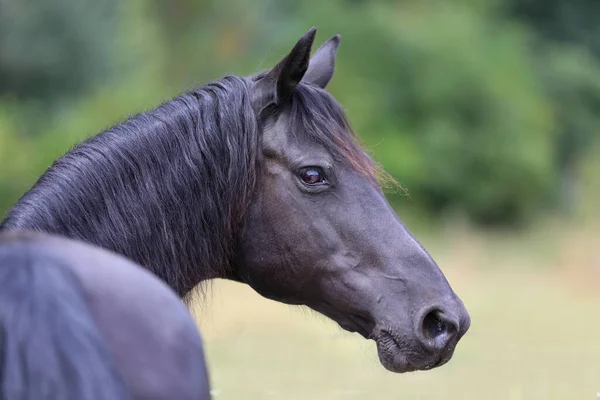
317,114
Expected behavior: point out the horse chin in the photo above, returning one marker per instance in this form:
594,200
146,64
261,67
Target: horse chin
394,361
397,355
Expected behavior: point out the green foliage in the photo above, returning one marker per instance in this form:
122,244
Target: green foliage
572,82
574,21
53,49
448,101
473,106
567,47
15,155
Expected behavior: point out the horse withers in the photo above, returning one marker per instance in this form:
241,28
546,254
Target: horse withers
78,322
258,179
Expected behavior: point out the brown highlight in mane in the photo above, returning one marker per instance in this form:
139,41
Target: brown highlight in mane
325,120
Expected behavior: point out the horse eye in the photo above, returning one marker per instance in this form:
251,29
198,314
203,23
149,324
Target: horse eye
312,176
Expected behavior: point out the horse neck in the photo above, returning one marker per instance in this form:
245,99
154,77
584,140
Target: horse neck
167,188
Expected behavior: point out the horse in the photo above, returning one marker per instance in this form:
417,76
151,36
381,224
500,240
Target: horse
78,322
258,179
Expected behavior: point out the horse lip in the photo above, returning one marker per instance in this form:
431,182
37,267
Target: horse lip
389,357
406,364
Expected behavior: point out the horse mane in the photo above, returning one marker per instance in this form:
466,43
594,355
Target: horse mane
50,347
170,188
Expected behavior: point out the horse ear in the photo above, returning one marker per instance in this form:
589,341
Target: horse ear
279,83
322,64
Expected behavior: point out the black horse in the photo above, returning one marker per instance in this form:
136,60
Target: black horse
80,323
259,180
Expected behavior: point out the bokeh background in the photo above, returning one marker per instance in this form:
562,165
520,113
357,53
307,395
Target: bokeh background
486,111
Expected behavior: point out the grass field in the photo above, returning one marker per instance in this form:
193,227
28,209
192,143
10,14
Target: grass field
535,307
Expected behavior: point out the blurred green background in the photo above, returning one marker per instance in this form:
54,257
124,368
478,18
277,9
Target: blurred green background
486,111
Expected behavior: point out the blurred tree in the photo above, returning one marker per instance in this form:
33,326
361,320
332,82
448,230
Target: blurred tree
52,49
16,154
448,100
572,81
207,39
574,21
567,46
478,106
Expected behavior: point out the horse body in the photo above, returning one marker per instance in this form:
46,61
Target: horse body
258,180
79,322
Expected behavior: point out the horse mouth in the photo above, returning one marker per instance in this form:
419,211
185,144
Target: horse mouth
397,355
361,325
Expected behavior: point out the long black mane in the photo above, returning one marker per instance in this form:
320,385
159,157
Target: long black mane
169,188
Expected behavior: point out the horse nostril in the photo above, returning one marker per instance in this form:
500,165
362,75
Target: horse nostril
438,330
433,326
